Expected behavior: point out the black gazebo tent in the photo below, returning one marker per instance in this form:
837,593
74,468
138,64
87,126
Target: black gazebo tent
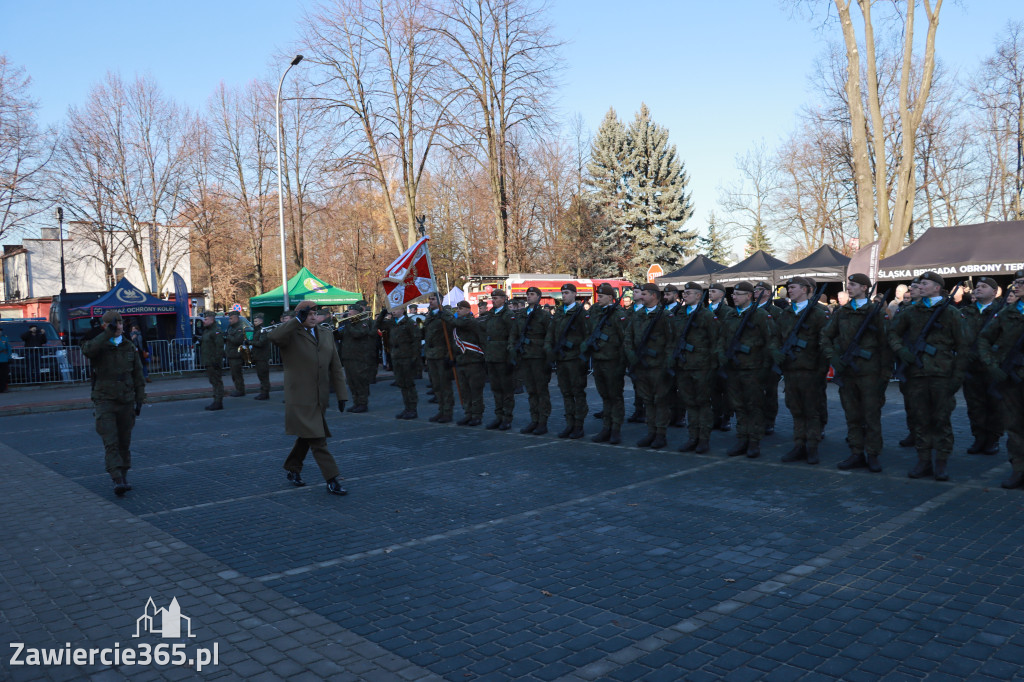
758,266
824,265
697,270
985,249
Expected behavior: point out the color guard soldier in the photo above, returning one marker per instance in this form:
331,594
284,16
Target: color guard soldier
1000,348
763,298
721,411
211,349
496,327
932,378
404,339
606,329
234,338
696,365
983,410
469,362
357,337
437,336
745,351
567,331
866,375
526,349
118,391
804,367
648,350
261,356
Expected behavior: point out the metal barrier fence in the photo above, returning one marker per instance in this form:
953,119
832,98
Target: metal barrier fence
61,365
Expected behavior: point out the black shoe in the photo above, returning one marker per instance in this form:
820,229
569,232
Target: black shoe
907,442
874,466
494,424
615,438
645,441
296,479
358,408
540,430
921,469
1016,480
739,449
464,421
505,426
812,453
702,447
237,394
941,474
215,405
262,396
475,422
754,450
435,417
599,415
529,428
444,420
567,431
603,436
334,487
120,487
577,432
689,446
854,461
991,447
659,442
796,453
977,446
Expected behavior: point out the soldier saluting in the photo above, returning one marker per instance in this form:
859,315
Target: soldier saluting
929,343
855,343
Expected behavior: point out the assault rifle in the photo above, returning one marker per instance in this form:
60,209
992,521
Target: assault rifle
921,344
793,341
683,347
853,351
563,344
734,344
642,351
517,350
1009,365
596,335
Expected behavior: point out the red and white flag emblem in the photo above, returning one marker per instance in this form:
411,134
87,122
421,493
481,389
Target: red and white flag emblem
410,276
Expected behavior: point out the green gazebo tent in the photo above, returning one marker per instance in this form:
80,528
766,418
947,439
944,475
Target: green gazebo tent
303,286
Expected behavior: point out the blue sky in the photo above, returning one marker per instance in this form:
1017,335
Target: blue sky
720,75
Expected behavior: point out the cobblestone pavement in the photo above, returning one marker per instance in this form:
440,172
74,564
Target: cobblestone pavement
466,554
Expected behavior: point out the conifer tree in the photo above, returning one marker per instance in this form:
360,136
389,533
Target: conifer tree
758,241
713,245
607,193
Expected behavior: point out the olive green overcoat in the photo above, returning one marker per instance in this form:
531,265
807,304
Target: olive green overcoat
311,365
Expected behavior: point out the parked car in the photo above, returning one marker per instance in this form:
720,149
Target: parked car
72,331
34,365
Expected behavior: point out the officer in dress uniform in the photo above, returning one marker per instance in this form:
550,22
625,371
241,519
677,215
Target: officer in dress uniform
606,329
526,349
567,331
695,365
983,409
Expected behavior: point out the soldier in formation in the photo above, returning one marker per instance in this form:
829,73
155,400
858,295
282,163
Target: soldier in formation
606,334
496,327
469,362
566,333
211,349
404,344
695,363
526,350
983,409
357,336
261,350
234,340
648,340
437,336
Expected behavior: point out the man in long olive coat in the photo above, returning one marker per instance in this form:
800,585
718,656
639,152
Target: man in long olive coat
309,357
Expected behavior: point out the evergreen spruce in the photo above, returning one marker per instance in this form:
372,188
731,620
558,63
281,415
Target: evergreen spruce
605,179
713,245
758,241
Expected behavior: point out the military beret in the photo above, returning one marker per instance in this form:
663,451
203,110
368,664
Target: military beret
671,287
209,313
651,287
764,285
109,317
463,304
568,286
258,316
800,281
716,285
638,285
234,313
860,278
628,293
744,286
989,281
1018,274
916,280
606,289
534,290
498,292
305,305
933,277
694,286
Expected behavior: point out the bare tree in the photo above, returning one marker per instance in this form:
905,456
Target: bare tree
747,201
506,59
24,150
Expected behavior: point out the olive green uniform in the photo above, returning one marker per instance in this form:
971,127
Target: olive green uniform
469,363
606,337
931,388
995,343
118,387
211,347
649,362
261,349
864,382
233,338
404,339
675,400
358,339
772,379
984,410
496,327
531,360
570,368
721,409
746,371
438,337
900,309
638,403
805,370
695,367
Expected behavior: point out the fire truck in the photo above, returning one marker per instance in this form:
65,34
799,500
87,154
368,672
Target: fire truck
479,287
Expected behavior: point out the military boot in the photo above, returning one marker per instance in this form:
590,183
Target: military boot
464,421
120,487
266,396
740,448
796,453
435,417
754,449
940,470
874,466
854,461
215,405
603,436
689,446
991,446
907,442
922,468
577,431
659,441
615,437
124,477
645,441
812,453
1016,480
599,414
570,426
703,445
977,446
529,428
494,424
541,429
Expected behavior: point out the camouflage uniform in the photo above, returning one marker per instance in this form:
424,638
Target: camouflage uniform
772,379
438,337
358,340
995,343
404,340
261,349
695,371
649,363
721,410
983,409
469,363
233,338
496,327
746,372
805,371
532,364
569,366
607,326
211,347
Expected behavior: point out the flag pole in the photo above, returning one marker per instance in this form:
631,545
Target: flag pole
421,222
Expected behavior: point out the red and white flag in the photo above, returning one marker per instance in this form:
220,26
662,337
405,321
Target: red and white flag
410,276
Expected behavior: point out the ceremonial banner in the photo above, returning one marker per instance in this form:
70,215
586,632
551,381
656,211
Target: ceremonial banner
410,276
183,328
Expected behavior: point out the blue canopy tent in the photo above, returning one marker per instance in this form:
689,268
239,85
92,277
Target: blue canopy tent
127,300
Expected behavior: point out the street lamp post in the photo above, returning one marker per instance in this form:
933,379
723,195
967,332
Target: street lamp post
280,190
60,232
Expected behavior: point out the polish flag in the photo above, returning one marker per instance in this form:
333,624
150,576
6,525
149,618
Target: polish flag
410,276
